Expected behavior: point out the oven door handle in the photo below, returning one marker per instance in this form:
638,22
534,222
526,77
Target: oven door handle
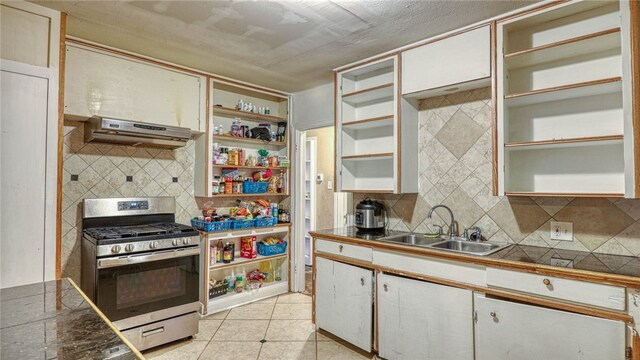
136,259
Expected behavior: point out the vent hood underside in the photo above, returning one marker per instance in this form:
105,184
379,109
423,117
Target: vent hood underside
134,133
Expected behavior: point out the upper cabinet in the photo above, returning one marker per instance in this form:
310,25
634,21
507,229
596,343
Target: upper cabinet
106,84
455,63
564,106
376,130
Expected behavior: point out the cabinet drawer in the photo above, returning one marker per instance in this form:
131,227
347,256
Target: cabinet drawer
347,250
606,296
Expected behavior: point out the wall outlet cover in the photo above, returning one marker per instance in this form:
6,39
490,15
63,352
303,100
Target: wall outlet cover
561,231
329,185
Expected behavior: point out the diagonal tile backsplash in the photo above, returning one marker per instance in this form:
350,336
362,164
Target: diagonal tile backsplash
104,170
455,167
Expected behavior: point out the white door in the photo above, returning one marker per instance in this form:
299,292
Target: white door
23,163
421,320
344,296
513,331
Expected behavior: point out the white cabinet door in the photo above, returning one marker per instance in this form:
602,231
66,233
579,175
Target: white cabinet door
344,296
104,84
421,320
453,60
507,330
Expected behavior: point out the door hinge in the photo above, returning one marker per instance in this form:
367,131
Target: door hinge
629,354
475,316
296,147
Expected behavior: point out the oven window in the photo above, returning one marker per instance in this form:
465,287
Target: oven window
135,289
150,286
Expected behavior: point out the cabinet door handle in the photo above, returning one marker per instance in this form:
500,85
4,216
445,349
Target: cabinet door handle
362,281
385,287
340,248
546,282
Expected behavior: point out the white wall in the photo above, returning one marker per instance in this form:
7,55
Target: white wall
313,108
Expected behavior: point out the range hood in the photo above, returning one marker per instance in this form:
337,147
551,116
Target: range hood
134,133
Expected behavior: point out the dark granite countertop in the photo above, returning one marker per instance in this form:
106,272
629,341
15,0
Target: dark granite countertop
627,266
52,320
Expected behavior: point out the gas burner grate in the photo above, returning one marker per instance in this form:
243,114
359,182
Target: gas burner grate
123,232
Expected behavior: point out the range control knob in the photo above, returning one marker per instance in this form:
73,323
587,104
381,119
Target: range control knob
115,249
153,245
129,248
186,241
175,242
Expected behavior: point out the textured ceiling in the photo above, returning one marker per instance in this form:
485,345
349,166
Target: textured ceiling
285,45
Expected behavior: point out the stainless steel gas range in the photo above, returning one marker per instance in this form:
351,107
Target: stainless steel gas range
141,268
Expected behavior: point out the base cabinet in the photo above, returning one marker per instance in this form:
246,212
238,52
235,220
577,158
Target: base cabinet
344,295
421,320
507,330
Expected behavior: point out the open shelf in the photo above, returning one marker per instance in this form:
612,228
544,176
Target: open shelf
235,140
245,115
247,195
235,299
278,228
239,261
596,87
373,94
574,47
368,157
562,142
249,167
380,121
539,194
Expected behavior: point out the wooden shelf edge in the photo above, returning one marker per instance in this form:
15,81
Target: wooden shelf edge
363,121
369,191
560,43
249,167
366,156
539,194
222,111
248,140
564,87
244,230
244,262
565,141
367,90
245,195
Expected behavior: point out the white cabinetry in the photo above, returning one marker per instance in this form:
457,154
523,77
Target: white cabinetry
29,75
507,330
106,84
421,320
376,131
344,295
463,59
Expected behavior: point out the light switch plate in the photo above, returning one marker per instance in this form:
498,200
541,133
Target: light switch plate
329,185
561,231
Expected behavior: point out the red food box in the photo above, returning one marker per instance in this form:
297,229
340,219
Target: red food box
249,247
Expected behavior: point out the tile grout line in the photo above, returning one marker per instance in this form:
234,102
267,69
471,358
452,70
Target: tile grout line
214,333
268,325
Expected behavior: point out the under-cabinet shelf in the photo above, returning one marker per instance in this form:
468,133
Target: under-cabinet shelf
376,93
574,47
235,140
239,261
245,115
588,88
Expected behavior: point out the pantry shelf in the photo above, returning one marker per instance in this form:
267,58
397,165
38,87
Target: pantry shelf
235,140
588,88
373,94
380,121
278,228
225,166
249,195
244,261
562,142
245,115
236,299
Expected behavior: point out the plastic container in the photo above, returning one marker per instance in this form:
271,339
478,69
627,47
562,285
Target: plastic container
242,224
265,222
211,226
268,250
254,187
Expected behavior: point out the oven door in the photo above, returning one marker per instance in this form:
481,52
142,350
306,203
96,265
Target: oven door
144,283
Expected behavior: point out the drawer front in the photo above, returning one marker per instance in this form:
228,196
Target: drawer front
346,250
601,295
443,269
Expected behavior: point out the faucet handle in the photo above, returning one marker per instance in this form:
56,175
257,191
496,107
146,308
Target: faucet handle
440,229
473,233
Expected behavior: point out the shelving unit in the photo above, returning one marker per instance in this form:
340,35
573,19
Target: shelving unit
218,271
237,140
562,101
376,130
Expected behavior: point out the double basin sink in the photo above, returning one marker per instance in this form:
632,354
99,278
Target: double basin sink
459,245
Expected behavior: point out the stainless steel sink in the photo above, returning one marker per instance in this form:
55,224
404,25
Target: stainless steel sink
412,239
469,247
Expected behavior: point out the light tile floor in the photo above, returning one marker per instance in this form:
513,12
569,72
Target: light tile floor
275,328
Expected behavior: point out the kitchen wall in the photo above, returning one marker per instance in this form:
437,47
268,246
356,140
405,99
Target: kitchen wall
325,151
101,170
455,152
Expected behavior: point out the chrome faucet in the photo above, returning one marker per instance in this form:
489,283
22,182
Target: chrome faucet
453,226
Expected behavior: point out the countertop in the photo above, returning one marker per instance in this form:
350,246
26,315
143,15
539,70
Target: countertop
54,320
612,269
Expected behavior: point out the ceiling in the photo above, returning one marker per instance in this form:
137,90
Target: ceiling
284,44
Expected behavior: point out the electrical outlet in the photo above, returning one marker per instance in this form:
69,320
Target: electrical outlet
329,185
561,231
